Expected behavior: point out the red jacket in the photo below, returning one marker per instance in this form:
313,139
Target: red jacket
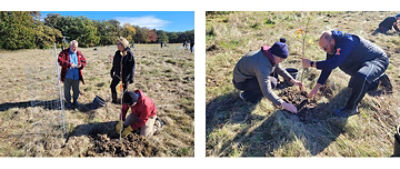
143,109
63,60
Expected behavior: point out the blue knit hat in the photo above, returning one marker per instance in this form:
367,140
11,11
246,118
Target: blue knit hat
280,49
398,15
129,97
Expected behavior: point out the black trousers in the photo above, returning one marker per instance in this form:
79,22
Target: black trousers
365,79
114,84
251,88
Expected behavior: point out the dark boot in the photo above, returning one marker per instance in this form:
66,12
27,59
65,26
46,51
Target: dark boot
385,82
396,152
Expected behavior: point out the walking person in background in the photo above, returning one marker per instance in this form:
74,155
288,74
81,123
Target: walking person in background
72,62
123,67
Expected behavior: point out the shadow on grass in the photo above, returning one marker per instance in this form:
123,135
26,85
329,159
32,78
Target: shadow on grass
391,33
46,104
92,129
276,130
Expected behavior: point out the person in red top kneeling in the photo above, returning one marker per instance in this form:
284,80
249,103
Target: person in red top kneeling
143,116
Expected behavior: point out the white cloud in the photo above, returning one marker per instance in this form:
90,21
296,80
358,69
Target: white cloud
145,21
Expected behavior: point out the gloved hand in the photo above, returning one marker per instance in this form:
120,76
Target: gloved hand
119,126
126,131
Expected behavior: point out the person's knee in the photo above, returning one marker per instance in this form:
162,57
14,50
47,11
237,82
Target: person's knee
147,132
357,80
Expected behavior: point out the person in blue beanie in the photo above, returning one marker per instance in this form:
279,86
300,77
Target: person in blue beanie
252,74
364,61
389,23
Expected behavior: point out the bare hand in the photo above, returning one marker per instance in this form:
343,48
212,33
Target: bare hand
313,92
289,107
73,66
306,63
298,83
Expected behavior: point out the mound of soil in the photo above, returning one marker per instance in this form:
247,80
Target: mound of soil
105,141
326,91
307,108
133,145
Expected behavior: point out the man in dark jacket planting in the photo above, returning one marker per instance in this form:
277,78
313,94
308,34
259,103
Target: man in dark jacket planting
143,116
364,61
72,62
389,23
252,74
123,68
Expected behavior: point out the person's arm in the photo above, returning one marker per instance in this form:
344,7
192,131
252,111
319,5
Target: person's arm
336,60
315,90
395,26
266,88
132,74
113,67
124,109
321,81
62,61
324,76
281,71
83,61
126,69
287,76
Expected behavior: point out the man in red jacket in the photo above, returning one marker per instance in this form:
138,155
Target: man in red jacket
143,116
72,62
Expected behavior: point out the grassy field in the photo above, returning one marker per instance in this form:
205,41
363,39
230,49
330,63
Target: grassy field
236,129
31,122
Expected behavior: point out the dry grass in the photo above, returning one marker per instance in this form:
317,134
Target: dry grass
236,129
165,75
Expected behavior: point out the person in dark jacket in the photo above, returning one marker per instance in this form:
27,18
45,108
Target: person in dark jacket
143,117
253,74
191,46
123,68
389,23
72,62
364,61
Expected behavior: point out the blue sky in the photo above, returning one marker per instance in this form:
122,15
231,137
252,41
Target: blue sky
171,21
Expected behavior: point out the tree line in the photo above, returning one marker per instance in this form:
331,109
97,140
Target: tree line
25,30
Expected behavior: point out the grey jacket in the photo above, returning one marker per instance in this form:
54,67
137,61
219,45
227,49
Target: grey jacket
257,65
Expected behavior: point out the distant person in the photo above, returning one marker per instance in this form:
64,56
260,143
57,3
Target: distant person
161,44
253,74
72,62
191,46
364,61
388,24
123,67
143,117
184,45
